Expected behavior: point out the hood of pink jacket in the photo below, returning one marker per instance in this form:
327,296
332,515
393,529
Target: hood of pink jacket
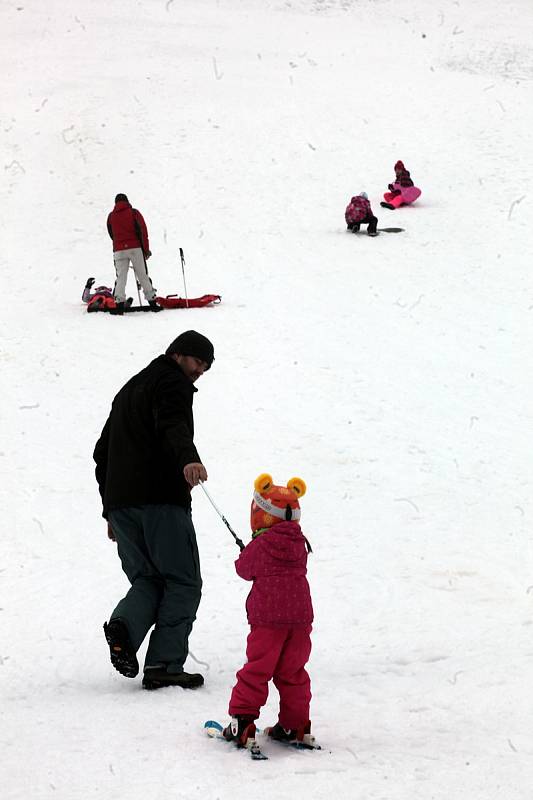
283,542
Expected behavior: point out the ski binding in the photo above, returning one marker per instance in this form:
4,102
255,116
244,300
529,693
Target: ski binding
214,731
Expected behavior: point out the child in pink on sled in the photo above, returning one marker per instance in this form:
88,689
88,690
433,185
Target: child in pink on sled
402,192
280,614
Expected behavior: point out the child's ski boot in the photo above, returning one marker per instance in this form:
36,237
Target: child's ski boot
297,737
241,730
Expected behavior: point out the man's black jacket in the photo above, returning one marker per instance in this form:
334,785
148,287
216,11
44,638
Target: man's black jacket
148,439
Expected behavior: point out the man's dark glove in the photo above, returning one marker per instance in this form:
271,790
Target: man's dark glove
89,284
148,254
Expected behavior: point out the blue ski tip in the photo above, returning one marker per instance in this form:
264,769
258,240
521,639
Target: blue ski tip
211,723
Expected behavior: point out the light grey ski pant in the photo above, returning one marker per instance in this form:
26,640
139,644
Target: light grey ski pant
122,259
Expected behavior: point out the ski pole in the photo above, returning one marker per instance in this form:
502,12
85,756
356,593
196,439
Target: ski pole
139,292
222,517
183,273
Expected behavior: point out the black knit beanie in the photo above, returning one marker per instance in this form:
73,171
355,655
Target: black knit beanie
121,198
192,343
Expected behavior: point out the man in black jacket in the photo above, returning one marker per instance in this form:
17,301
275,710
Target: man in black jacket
146,464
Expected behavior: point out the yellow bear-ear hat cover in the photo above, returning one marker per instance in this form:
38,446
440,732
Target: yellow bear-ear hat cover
263,483
298,486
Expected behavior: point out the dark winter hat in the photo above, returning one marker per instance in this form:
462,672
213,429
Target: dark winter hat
192,343
121,198
399,167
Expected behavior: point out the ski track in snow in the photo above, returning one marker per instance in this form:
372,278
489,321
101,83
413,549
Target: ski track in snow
392,374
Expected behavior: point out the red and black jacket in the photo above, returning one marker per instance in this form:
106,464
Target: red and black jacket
127,228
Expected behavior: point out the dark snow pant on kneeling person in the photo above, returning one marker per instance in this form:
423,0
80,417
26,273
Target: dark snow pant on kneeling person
159,554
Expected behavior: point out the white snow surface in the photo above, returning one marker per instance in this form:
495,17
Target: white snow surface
393,374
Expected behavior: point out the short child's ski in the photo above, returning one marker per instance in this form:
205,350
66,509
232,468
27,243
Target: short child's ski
308,742
214,731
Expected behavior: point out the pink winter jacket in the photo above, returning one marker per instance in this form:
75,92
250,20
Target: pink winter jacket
357,210
276,561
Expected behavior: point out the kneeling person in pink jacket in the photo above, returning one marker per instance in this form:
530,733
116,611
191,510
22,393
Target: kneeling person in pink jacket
280,613
358,212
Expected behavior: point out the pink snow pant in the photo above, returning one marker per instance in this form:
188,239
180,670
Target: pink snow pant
395,200
408,195
278,654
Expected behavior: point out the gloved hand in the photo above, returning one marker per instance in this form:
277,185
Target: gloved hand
391,187
89,284
148,254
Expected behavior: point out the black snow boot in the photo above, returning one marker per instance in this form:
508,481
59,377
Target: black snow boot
154,307
158,678
118,310
383,204
240,730
121,650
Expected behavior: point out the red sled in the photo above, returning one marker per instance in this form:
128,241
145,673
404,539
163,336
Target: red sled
173,301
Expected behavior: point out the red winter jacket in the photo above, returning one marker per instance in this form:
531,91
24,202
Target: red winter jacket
276,561
358,209
127,228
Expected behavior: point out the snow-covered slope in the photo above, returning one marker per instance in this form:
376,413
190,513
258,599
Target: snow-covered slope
392,374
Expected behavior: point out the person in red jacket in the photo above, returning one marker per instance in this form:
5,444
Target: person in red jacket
129,234
280,614
359,211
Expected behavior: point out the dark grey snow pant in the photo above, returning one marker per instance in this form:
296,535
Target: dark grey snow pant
157,547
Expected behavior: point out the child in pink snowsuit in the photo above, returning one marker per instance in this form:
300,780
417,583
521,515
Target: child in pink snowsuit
280,614
403,191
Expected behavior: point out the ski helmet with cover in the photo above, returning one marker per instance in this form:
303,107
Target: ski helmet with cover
272,504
